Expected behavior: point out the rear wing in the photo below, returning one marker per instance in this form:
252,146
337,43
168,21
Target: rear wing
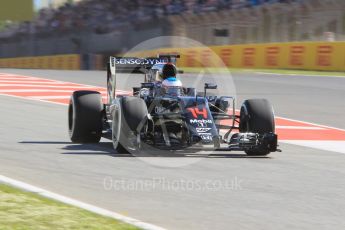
139,65
127,65
172,58
132,65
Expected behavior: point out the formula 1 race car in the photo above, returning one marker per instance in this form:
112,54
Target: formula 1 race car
155,118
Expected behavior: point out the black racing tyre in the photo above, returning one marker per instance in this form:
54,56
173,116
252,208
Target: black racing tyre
129,115
117,130
257,116
134,112
85,116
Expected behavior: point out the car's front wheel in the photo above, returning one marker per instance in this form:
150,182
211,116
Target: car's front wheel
117,132
129,115
257,116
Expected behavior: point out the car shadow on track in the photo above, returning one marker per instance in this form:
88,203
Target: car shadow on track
102,148
106,148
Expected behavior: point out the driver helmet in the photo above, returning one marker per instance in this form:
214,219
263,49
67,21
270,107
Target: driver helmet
172,86
160,72
169,71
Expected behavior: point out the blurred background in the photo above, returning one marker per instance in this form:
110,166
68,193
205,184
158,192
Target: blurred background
104,27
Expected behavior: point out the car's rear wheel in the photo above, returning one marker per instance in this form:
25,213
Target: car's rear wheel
257,116
85,116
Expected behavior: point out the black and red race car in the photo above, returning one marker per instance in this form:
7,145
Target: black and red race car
154,120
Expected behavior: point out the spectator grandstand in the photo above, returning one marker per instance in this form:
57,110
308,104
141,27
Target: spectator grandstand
110,26
103,16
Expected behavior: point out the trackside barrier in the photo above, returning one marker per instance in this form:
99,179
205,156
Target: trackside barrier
60,62
324,56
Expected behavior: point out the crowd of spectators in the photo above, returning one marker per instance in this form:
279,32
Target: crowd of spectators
103,16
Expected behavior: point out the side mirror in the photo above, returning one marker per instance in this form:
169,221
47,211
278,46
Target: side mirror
209,86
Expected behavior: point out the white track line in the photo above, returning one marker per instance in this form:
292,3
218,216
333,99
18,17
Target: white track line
36,78
3,76
299,127
39,90
310,123
77,203
34,90
49,86
50,97
17,79
32,99
54,97
11,82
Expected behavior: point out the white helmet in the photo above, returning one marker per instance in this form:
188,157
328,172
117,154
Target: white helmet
172,86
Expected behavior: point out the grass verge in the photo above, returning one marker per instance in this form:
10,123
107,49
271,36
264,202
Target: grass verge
29,211
269,71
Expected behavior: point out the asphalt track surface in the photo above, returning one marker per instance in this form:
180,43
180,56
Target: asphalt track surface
300,188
